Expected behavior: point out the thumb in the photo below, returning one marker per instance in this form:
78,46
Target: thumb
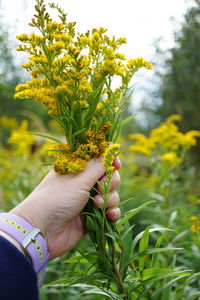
94,171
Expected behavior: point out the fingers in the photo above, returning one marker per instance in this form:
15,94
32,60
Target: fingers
93,171
115,182
113,200
113,213
117,163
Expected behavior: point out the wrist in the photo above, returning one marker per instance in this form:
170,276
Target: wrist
22,212
13,241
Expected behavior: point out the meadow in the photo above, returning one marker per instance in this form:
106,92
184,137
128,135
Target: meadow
156,169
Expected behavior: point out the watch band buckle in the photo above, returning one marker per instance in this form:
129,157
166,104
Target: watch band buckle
30,237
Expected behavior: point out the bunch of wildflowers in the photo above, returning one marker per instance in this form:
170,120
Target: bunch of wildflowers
71,76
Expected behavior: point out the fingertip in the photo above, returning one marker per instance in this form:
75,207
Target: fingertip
117,163
114,214
98,201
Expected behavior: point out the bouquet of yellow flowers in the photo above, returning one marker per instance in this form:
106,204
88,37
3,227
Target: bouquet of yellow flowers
71,76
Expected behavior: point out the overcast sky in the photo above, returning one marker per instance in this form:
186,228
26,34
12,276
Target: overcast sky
140,21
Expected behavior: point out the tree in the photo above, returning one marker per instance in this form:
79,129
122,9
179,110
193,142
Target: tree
180,85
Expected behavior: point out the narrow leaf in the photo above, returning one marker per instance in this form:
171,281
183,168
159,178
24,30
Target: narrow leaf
47,137
132,213
144,241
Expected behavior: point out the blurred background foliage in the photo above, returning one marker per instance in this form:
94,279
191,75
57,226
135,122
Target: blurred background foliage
173,184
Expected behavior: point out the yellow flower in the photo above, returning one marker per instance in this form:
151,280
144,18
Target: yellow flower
63,166
63,89
171,158
22,37
195,224
189,139
109,155
22,139
83,104
9,123
140,149
139,63
173,118
56,46
59,150
99,106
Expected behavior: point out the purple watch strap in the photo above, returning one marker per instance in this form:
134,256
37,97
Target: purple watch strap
30,238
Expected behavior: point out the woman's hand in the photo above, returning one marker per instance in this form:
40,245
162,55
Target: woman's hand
55,205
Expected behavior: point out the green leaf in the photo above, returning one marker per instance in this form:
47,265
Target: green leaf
47,137
126,121
75,259
114,128
112,236
90,224
138,237
91,258
151,251
94,99
125,201
81,279
117,133
154,272
161,277
144,241
127,249
154,259
78,132
132,213
129,228
98,291
169,283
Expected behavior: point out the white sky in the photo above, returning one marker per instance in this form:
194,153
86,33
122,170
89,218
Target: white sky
140,21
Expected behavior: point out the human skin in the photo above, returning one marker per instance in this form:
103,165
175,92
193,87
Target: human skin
56,204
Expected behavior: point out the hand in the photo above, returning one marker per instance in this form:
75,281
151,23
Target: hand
55,205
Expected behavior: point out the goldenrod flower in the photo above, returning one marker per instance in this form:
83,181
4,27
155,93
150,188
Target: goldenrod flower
109,155
171,158
140,149
22,139
195,224
139,63
62,166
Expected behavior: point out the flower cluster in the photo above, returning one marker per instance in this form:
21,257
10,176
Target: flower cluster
195,224
21,139
71,76
109,155
68,161
167,140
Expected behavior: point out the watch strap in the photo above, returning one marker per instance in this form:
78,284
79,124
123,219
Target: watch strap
30,238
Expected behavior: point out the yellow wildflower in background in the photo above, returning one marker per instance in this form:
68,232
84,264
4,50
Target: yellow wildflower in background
21,139
166,142
8,123
143,145
195,224
171,158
